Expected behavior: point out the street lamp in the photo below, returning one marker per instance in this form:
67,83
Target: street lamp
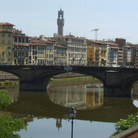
72,115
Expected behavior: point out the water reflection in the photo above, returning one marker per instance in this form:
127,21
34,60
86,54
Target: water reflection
50,110
80,98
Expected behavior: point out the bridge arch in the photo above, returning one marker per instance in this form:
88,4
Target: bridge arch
128,85
43,79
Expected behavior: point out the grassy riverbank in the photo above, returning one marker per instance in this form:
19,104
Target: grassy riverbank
8,83
72,81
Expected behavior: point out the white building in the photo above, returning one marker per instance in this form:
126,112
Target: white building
112,55
76,49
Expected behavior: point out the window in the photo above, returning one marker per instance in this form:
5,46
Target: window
9,53
9,35
9,59
2,54
2,59
9,41
9,27
2,47
19,39
9,47
15,54
15,39
19,54
3,41
3,34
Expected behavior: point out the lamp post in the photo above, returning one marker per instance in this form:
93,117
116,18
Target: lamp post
72,115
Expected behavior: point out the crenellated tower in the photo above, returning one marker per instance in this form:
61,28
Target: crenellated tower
60,22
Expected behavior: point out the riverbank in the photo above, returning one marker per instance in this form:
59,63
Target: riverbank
72,81
8,84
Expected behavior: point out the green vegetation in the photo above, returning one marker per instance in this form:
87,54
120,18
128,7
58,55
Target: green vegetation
7,124
5,99
74,79
71,81
8,83
83,80
124,124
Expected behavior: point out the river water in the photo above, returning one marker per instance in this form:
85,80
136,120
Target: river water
46,113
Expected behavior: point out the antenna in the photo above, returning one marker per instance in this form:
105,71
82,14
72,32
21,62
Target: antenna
95,33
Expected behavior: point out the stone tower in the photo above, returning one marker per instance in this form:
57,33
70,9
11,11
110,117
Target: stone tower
60,22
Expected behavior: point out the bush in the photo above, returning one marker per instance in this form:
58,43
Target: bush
124,124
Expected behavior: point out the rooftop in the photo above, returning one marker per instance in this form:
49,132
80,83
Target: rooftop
6,23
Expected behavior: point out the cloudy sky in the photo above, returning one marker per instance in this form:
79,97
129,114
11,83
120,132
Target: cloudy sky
113,18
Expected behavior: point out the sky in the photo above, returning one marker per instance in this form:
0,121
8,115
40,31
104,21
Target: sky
113,18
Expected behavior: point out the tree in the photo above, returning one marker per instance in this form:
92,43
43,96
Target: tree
5,99
7,124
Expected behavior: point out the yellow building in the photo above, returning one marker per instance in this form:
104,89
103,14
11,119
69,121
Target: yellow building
6,43
96,53
90,54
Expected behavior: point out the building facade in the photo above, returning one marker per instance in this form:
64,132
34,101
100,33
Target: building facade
97,53
60,55
127,60
121,52
21,48
6,43
112,55
76,49
37,52
50,53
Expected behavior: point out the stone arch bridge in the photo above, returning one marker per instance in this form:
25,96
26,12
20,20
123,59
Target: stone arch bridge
117,81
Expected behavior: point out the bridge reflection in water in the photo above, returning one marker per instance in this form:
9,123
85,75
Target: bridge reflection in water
56,104
39,108
83,98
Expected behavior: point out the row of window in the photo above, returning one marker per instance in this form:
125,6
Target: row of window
3,47
21,39
6,27
4,35
3,41
4,59
3,54
20,54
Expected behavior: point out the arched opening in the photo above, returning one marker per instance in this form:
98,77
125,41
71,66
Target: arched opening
130,86
76,90
44,79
